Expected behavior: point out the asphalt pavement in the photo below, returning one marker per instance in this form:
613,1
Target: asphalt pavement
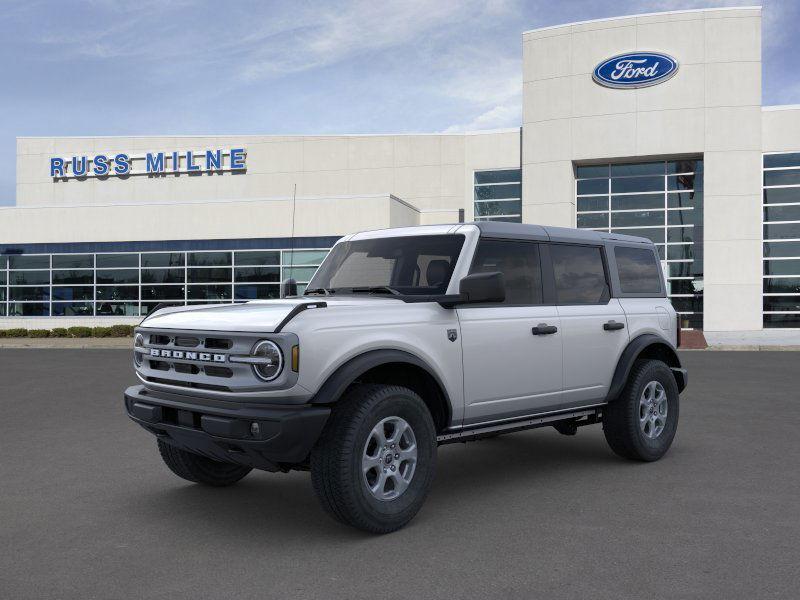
87,509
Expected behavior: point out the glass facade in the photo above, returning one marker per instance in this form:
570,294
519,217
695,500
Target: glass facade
498,195
781,295
660,200
129,284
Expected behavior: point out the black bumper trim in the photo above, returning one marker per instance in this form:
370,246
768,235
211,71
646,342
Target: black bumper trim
263,437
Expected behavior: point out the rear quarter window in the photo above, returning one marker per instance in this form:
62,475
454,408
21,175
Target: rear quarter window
638,270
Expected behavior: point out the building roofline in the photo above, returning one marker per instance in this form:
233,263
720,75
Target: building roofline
264,135
652,14
781,107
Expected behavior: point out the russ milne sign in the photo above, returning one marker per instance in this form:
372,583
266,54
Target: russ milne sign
635,70
151,163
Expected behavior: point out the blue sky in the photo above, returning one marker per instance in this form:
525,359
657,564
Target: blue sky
152,67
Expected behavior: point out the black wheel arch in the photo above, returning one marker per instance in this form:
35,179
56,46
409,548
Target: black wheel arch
391,367
650,346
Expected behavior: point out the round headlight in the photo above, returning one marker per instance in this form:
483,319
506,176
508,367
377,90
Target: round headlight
272,364
138,342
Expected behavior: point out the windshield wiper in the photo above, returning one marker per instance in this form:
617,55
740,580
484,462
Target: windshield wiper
375,289
323,291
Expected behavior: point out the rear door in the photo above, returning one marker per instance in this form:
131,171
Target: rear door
640,286
512,350
594,325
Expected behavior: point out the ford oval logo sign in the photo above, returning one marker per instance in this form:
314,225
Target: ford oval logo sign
635,70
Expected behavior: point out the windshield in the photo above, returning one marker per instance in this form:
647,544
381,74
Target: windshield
420,264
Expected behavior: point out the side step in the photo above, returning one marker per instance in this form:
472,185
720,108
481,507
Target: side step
591,415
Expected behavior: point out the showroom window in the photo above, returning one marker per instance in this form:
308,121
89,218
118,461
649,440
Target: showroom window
498,195
129,284
659,200
781,299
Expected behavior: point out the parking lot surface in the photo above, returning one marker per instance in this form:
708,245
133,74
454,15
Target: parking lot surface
87,509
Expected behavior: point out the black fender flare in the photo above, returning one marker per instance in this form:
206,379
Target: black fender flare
348,372
633,350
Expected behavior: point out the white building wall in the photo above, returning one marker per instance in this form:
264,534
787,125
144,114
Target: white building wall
711,107
780,127
221,219
431,172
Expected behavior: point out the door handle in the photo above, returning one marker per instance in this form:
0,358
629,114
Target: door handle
613,326
544,329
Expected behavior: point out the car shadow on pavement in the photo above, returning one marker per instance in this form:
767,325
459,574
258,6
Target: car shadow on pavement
284,506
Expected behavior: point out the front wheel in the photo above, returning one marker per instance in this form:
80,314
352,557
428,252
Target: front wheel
199,469
374,464
641,423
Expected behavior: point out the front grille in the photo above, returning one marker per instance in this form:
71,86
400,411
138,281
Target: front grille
218,344
189,384
192,359
213,371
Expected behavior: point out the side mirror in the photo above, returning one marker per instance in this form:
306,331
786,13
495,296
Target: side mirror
288,288
478,288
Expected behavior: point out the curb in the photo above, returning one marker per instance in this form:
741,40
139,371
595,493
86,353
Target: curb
59,343
753,348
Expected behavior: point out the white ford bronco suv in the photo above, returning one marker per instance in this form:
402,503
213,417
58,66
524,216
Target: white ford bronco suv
406,339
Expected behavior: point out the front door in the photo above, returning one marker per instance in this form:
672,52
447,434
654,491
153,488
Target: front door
511,350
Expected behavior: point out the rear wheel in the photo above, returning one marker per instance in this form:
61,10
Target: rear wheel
199,469
641,423
374,464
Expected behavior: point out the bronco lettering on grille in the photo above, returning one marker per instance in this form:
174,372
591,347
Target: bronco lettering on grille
184,355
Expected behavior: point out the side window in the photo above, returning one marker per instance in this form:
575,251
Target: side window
519,264
639,272
579,274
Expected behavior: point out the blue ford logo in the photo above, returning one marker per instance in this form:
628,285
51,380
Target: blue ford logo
635,70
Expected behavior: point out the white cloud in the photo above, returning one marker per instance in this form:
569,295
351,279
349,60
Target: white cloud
332,35
498,117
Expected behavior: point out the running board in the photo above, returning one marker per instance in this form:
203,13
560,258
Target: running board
519,425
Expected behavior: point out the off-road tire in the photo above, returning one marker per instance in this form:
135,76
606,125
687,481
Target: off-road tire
621,416
199,469
336,471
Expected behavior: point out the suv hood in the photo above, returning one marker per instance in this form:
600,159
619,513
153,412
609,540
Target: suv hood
261,316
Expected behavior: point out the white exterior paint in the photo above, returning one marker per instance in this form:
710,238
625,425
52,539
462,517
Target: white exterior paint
711,109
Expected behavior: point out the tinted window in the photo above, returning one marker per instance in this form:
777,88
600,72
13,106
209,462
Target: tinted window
110,261
163,259
260,258
73,276
118,276
301,257
499,176
29,277
638,271
519,264
29,262
209,259
579,274
73,261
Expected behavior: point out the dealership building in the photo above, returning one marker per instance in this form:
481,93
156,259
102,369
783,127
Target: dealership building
650,125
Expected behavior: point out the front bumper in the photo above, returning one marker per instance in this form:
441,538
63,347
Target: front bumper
284,436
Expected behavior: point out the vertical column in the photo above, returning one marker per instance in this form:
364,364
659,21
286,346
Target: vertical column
732,296
548,181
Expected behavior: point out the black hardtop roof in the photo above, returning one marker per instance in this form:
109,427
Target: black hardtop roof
524,231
